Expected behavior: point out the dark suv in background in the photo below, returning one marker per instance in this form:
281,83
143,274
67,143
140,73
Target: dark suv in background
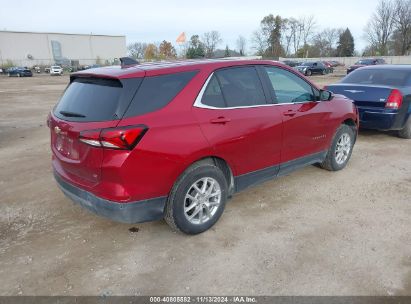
365,62
309,68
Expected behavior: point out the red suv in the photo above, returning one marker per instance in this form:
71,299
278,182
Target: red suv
175,140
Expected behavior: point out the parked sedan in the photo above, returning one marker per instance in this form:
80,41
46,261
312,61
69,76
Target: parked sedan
329,66
382,95
365,62
309,68
176,140
19,72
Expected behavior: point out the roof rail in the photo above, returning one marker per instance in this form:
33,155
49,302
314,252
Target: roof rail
128,61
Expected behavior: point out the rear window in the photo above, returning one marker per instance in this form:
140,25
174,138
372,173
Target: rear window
234,87
378,77
157,91
90,99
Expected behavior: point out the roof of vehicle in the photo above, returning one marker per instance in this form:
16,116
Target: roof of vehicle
388,67
164,67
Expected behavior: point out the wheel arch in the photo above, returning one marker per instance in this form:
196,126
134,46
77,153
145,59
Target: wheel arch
353,125
222,164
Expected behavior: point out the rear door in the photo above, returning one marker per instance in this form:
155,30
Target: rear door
238,122
88,104
306,122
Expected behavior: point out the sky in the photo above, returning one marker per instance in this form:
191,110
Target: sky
155,21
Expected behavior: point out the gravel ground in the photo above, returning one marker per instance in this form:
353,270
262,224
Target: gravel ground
312,232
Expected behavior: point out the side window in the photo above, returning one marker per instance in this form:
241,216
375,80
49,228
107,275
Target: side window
156,92
288,87
212,95
241,86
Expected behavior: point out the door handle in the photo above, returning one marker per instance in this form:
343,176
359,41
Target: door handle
220,120
289,113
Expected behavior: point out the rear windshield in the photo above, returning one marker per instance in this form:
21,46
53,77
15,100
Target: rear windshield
378,77
89,99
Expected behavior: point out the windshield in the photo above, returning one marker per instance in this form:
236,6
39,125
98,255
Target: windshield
306,64
366,62
378,77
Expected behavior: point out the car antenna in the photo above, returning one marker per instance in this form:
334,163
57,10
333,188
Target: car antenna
128,61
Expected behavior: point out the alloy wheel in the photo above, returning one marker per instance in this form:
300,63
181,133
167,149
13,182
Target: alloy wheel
202,200
343,148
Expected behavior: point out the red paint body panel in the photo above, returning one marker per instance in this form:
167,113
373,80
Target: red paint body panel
180,134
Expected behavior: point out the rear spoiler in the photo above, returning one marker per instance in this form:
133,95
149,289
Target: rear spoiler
128,61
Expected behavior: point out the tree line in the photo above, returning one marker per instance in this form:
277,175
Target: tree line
388,32
205,46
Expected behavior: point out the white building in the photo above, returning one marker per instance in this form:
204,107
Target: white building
33,48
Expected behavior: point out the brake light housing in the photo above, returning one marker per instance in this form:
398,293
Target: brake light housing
394,100
121,138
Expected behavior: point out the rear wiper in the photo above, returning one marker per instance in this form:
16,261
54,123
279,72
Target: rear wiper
71,114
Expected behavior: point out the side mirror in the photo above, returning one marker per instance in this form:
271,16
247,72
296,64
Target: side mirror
325,95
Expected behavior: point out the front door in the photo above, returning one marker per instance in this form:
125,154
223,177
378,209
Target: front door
305,120
239,124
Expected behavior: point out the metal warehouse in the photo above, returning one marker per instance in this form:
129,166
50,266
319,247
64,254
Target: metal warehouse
35,48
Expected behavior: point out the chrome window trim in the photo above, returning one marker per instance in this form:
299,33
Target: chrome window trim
199,104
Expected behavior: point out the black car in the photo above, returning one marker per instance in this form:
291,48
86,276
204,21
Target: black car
19,72
312,67
365,62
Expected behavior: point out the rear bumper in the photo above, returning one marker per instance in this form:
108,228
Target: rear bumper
132,212
380,119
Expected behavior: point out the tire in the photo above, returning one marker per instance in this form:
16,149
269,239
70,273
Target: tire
199,174
308,73
324,72
406,131
18,75
335,161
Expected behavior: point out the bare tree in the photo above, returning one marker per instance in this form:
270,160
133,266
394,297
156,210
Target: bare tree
308,25
137,49
287,36
260,44
211,40
381,26
241,45
296,31
402,19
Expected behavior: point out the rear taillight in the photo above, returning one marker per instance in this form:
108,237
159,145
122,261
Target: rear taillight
394,101
124,138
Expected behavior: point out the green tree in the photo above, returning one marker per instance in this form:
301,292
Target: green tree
196,48
346,45
271,28
227,51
